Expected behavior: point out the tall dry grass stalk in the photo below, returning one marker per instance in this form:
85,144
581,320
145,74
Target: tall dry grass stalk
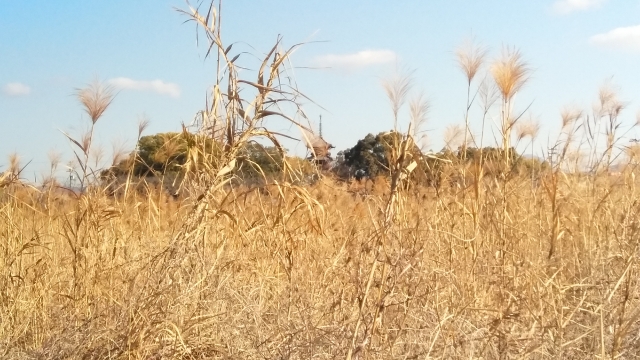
604,122
378,264
397,89
471,58
418,110
95,99
510,72
242,120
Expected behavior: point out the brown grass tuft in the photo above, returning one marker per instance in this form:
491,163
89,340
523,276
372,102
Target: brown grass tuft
418,111
528,129
453,137
569,116
470,58
510,72
95,98
14,164
397,89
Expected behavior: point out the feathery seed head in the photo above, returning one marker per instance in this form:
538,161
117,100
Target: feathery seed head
97,153
569,116
488,93
14,164
606,95
95,98
143,122
527,129
85,141
418,109
470,58
397,88
453,136
54,158
510,73
608,102
119,153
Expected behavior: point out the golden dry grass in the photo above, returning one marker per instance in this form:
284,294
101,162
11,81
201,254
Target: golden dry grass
286,273
496,266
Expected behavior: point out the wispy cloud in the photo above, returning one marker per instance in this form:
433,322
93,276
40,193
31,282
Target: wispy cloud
569,6
357,60
157,86
623,38
16,89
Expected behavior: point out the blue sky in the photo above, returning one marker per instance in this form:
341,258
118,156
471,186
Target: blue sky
49,49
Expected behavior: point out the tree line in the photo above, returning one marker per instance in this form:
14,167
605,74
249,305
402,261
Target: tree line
168,153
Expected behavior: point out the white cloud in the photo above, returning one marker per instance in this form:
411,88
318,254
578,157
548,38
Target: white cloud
624,38
569,6
16,89
157,86
357,60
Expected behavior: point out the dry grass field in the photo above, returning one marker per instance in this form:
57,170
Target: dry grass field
295,273
506,265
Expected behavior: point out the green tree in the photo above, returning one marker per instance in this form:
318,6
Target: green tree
256,159
169,153
160,153
165,153
370,156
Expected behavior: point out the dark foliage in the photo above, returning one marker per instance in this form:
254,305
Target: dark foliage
167,153
370,158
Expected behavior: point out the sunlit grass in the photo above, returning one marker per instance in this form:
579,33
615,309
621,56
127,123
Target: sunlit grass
489,261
